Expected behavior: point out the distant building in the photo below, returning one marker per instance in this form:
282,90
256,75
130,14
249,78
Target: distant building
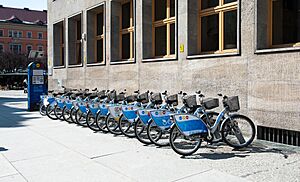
22,30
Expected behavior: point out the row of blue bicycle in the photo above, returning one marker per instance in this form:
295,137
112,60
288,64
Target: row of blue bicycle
154,118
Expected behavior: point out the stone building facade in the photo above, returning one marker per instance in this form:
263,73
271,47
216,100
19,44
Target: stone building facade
247,48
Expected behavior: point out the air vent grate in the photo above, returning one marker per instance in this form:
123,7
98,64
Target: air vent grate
277,135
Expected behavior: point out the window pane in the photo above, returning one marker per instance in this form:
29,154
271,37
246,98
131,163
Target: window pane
100,24
209,3
99,51
172,38
78,30
172,8
1,33
161,41
286,22
229,1
126,15
78,51
160,9
210,33
230,30
126,46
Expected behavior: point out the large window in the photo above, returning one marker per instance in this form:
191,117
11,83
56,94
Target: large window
40,35
1,33
59,44
74,37
217,27
284,23
127,31
15,48
29,35
96,35
163,28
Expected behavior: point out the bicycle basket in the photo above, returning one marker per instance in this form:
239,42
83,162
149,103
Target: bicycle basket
172,100
211,103
156,98
131,98
102,94
190,101
143,98
112,95
120,97
232,103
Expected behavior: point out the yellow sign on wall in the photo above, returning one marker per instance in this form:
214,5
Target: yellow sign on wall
181,48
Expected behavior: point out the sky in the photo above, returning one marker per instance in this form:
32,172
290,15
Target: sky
31,4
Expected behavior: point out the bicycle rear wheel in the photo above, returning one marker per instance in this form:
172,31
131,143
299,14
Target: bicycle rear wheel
140,130
184,145
126,127
42,109
91,122
238,131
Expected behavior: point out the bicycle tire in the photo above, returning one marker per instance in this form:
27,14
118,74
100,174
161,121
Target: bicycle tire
101,122
79,115
50,112
58,113
141,134
92,125
66,114
233,125
42,109
73,114
127,131
113,129
174,135
154,140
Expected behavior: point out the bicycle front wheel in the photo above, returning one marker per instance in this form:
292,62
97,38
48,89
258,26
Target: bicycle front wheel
112,125
126,127
140,130
50,112
157,135
238,131
184,145
91,121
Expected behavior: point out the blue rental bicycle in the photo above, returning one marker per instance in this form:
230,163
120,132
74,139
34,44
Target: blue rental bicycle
188,131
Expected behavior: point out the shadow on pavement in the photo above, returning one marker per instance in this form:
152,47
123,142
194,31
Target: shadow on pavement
3,149
13,112
214,154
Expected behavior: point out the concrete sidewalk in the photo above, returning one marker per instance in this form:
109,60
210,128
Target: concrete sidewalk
35,148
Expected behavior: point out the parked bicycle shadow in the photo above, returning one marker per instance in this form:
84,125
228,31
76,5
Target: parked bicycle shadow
13,112
2,149
222,151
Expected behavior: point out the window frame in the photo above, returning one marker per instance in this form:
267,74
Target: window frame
10,33
62,44
38,35
101,5
218,10
130,30
168,21
27,33
76,41
270,31
19,48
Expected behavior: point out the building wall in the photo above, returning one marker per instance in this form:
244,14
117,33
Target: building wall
267,80
24,41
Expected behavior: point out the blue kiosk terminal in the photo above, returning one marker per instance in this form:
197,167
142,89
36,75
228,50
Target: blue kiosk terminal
37,84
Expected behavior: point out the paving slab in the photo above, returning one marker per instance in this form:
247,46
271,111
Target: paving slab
12,178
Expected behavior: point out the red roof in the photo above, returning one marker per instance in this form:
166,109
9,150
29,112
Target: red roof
25,15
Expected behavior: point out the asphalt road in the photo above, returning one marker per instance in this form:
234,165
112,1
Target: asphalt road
35,148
